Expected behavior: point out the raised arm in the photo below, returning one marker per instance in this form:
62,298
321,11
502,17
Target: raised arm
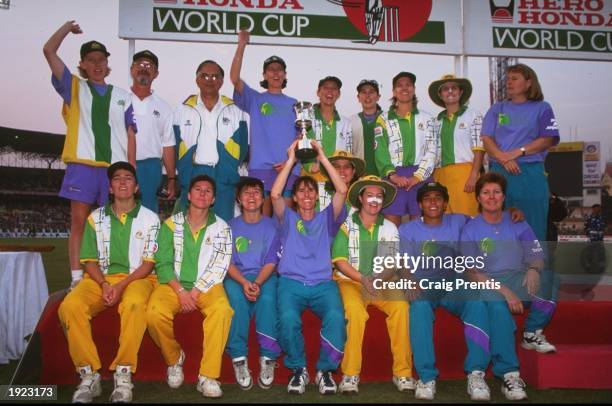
339,198
276,193
243,40
53,43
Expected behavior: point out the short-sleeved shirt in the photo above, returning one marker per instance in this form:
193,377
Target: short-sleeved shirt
272,126
255,245
513,125
306,255
153,117
505,246
441,240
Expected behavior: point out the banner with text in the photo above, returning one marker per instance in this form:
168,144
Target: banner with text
424,26
563,29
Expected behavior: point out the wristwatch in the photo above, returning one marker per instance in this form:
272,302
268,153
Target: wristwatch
523,151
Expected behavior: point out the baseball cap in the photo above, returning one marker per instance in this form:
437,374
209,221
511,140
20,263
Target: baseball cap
432,187
92,46
110,172
330,79
400,75
146,54
368,82
274,59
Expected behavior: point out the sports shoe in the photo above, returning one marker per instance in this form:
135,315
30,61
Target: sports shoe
513,386
298,381
404,383
89,387
537,341
349,384
242,373
425,391
175,372
266,372
123,385
326,383
477,387
210,388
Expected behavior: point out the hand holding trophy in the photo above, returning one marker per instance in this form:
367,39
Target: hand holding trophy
304,116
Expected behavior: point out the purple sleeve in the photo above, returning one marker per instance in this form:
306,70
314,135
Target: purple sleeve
532,250
245,100
469,247
334,225
547,125
64,85
130,121
272,256
489,122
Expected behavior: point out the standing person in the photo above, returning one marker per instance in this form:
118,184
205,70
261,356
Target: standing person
364,123
461,151
195,248
272,120
516,134
212,138
406,147
252,285
155,140
305,271
353,254
513,258
100,130
437,234
117,253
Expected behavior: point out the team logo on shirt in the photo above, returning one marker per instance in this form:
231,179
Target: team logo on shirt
226,121
487,245
503,119
138,235
266,109
187,123
242,244
301,228
421,126
156,114
121,102
553,125
155,247
462,126
430,248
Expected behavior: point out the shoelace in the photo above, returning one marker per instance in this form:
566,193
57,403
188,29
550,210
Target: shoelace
243,371
514,383
123,380
428,385
87,380
297,377
351,379
267,368
478,382
327,380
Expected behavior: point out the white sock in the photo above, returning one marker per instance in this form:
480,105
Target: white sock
77,274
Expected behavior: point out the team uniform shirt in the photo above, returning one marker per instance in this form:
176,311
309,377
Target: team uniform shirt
120,244
199,259
406,141
512,125
362,129
358,245
459,136
333,136
97,118
153,117
255,245
306,255
440,240
506,246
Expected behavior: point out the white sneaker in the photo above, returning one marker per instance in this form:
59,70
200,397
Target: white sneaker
513,386
210,388
477,387
349,384
298,381
266,372
175,373
326,383
425,391
404,383
89,388
242,373
123,385
537,341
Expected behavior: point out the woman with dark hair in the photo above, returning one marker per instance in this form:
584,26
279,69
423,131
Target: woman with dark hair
513,262
516,134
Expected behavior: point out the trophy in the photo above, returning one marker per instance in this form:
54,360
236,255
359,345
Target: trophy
304,116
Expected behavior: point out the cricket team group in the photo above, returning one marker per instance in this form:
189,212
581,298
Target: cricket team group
300,234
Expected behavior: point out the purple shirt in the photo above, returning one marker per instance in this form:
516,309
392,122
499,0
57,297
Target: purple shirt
512,125
255,245
272,126
506,246
64,88
306,245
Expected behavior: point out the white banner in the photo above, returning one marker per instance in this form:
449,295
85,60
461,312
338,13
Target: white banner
423,26
591,171
563,29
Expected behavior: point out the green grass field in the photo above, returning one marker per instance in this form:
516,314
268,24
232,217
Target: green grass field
57,272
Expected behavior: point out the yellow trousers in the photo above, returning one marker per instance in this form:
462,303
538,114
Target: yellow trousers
217,312
85,302
355,308
454,178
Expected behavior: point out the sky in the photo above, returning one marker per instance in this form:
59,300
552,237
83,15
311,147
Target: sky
579,91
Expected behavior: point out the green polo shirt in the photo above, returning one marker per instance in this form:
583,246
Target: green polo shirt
369,145
447,135
192,244
368,244
121,230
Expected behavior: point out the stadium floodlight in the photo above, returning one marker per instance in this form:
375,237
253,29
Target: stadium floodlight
5,4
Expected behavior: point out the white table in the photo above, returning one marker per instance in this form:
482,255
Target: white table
23,295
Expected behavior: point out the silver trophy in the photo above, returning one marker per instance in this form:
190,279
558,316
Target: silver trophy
304,114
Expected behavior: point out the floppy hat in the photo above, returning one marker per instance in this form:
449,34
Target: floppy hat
464,84
371,180
358,163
